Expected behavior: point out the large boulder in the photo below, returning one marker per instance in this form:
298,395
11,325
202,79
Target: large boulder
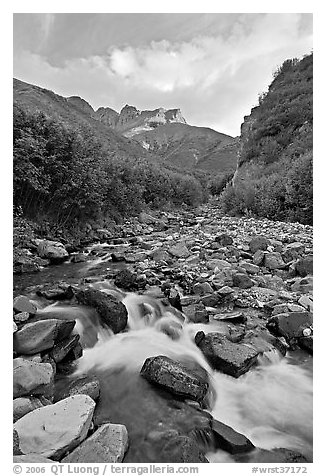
290,324
126,279
107,445
174,377
52,250
41,335
112,312
32,378
62,348
53,430
230,440
226,356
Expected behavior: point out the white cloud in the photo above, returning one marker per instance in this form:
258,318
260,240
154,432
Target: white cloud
214,79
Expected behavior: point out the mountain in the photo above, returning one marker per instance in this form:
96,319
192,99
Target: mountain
166,133
274,171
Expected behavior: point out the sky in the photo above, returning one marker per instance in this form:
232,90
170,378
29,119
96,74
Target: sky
212,66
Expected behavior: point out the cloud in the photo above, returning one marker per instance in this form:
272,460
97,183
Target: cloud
214,79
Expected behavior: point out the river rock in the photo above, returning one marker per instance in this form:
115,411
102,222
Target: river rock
290,325
304,266
24,405
174,377
52,250
242,281
179,251
22,304
227,357
60,350
41,335
53,430
181,449
258,243
107,445
274,260
230,440
112,312
32,378
88,385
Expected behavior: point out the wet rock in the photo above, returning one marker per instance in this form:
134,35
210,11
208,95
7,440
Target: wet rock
52,250
242,281
290,325
274,260
57,293
21,317
53,430
174,377
230,440
181,449
126,279
307,343
112,312
258,243
199,337
88,385
22,304
32,378
197,313
304,266
107,445
224,239
60,350
41,335
24,405
179,251
227,357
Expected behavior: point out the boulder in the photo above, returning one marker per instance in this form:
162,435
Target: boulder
226,356
274,260
179,251
53,430
258,243
41,335
24,405
82,386
126,279
32,378
174,377
112,312
181,449
107,445
23,304
60,350
290,324
52,250
230,440
304,266
242,281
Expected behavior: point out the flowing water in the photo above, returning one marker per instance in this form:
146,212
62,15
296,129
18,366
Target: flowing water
271,404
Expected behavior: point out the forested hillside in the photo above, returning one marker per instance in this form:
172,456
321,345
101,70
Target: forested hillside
274,174
69,177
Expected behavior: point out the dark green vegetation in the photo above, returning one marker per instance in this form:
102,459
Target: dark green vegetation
274,176
68,176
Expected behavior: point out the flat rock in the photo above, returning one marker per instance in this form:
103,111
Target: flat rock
53,430
107,445
174,377
41,335
32,378
112,312
230,440
227,357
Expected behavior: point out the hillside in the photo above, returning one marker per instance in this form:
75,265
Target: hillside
274,172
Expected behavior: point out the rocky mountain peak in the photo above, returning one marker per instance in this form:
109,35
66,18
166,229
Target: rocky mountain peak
80,104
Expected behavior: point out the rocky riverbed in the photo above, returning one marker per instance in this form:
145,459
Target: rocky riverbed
231,290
